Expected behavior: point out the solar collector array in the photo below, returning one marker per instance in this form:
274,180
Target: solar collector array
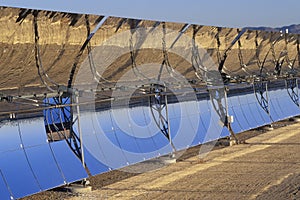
117,138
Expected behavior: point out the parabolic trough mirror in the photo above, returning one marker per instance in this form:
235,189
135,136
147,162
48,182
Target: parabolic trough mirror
84,94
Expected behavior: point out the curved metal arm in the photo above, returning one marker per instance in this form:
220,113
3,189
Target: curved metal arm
79,54
157,105
38,60
261,93
293,90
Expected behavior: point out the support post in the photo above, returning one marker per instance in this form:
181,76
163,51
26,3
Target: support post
228,120
168,120
79,128
160,106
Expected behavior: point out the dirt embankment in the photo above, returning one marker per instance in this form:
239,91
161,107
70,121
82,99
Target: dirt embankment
61,35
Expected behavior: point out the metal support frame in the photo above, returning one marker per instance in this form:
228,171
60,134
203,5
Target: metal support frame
79,129
261,93
66,121
7,185
65,106
159,104
216,93
292,89
222,108
216,96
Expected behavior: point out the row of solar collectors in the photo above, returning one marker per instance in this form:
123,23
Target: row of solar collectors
116,138
248,114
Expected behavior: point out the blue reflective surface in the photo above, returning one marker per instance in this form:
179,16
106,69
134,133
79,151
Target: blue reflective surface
212,126
44,167
205,115
184,137
236,127
239,116
111,153
174,110
247,112
69,164
198,127
4,191
26,157
138,116
194,119
93,154
104,120
246,109
33,132
123,129
18,174
275,110
9,136
262,113
56,115
287,106
216,123
132,135
48,172
255,110
93,164
225,132
121,137
283,105
127,142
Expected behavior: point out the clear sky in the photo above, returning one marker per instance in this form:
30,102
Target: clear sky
225,13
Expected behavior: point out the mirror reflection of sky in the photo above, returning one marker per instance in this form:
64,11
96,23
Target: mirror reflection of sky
113,139
229,13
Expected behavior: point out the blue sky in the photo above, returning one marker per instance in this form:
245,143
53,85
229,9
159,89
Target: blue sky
225,13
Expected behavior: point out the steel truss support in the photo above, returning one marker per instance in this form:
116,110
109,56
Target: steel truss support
218,95
219,100
159,110
66,109
292,89
261,93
